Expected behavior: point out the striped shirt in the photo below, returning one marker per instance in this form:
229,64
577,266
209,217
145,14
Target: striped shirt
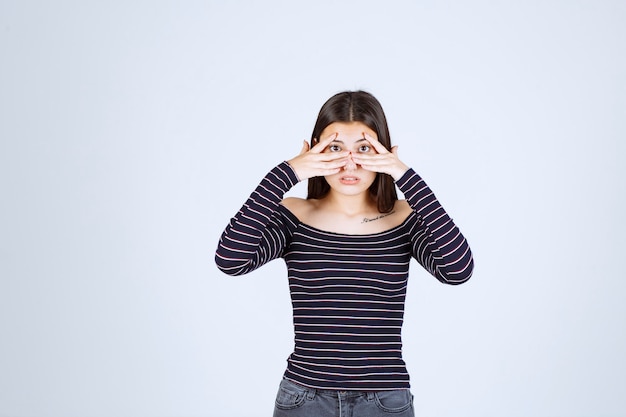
347,291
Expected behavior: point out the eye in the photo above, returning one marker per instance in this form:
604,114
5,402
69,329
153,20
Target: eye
334,148
364,148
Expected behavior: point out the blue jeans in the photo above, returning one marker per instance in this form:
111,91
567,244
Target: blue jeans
295,400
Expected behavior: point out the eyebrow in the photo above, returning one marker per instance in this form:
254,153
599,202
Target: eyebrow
360,140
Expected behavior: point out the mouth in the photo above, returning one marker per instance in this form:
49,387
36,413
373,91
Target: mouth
349,179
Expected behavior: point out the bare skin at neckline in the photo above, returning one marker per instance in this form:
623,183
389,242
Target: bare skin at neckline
380,216
349,157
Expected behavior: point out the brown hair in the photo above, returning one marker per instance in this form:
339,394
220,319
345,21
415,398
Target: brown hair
356,106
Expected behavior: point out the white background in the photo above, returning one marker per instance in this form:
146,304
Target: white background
131,131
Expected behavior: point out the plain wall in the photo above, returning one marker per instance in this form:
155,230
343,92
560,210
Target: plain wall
131,131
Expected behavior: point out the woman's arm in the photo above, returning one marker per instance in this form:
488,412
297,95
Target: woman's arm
438,244
257,234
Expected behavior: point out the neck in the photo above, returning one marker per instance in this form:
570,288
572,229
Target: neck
350,205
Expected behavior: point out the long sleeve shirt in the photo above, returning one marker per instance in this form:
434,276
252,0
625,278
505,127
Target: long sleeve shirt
347,291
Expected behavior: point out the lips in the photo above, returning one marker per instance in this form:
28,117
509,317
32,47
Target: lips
349,179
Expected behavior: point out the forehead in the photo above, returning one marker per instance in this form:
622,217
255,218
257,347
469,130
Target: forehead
348,131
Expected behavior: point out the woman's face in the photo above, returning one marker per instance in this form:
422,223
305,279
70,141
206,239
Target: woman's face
352,179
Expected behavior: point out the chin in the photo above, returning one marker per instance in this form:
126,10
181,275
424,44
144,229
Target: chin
350,190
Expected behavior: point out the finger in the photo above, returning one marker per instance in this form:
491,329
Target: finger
375,143
363,159
335,164
326,157
329,167
321,145
374,160
305,147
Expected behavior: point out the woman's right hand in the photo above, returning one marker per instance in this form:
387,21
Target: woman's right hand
314,162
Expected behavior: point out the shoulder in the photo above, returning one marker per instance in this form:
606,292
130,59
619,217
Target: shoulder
300,207
403,208
293,202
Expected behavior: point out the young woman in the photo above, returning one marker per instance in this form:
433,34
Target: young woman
347,247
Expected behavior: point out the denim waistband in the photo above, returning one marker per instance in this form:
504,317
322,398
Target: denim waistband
312,392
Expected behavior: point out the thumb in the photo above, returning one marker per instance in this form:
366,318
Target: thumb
305,147
394,150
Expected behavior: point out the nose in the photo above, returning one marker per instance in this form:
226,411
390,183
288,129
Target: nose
351,165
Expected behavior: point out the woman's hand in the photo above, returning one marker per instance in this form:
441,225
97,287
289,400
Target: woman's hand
383,161
314,162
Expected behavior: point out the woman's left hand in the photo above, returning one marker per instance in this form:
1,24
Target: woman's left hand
383,161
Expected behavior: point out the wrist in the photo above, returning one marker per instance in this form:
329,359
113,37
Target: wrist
295,176
399,172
